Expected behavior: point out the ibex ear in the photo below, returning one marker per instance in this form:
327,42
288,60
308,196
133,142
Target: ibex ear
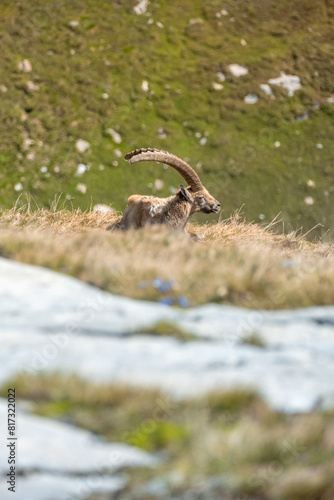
185,193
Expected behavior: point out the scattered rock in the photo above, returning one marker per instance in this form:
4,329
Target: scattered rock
18,186
25,66
266,88
144,86
217,86
141,7
116,137
289,82
251,99
32,86
3,88
277,144
158,184
309,200
74,24
82,145
81,169
310,183
221,76
101,207
82,188
320,146
237,70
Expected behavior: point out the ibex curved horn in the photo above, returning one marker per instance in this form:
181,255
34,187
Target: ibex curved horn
160,156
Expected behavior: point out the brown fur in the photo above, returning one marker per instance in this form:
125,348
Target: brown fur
173,211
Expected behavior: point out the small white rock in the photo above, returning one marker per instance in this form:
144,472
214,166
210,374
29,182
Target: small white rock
141,7
144,86
116,137
82,145
309,200
118,153
243,42
44,169
266,88
277,144
105,95
330,99
74,23
310,183
224,12
160,25
319,146
32,86
237,70
18,186
198,20
31,156
25,66
81,169
4,89
82,188
217,86
158,184
203,141
251,99
262,216
221,76
101,207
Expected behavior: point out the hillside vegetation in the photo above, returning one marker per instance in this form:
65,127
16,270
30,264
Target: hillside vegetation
99,72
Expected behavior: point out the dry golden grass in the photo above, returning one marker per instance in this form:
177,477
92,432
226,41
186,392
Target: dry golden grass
234,262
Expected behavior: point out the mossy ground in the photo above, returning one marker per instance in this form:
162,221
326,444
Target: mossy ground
112,50
231,436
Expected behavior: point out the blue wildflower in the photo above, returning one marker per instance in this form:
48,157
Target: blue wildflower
183,302
167,301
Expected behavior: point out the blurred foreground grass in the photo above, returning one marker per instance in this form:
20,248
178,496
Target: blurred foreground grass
231,439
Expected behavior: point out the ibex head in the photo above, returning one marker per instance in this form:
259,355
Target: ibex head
195,194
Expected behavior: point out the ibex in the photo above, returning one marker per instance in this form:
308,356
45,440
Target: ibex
175,210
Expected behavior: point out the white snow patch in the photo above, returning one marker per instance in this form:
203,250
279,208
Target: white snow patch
237,70
289,82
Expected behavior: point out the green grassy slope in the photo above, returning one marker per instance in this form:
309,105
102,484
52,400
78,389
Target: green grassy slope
87,78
